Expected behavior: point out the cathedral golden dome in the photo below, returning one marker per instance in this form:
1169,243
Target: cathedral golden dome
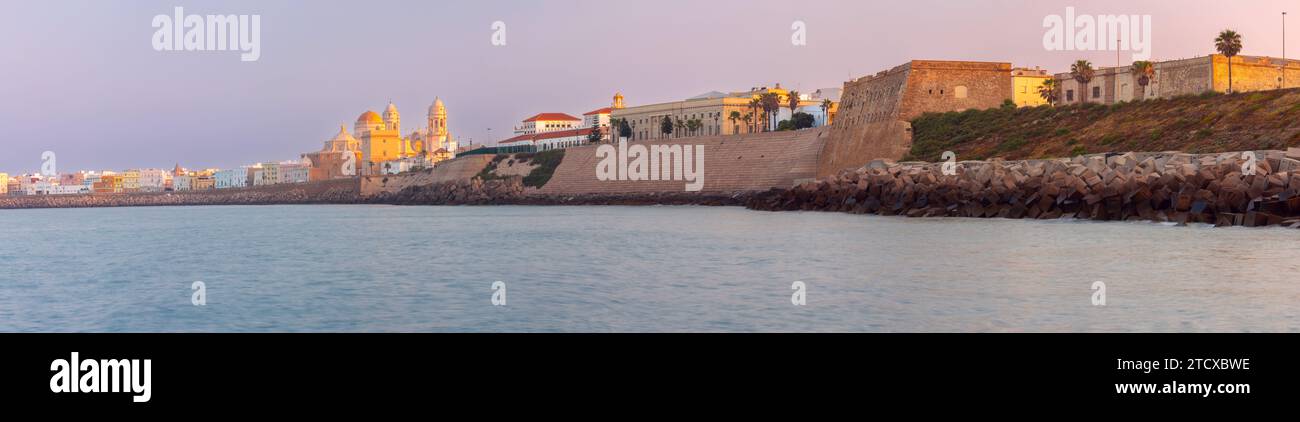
370,117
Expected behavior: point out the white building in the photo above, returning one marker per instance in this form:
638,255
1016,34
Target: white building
183,182
232,178
597,118
547,122
294,173
154,180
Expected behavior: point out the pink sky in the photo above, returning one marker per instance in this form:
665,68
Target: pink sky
82,79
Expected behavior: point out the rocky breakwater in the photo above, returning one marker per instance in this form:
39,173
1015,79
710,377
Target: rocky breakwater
327,192
473,191
1163,187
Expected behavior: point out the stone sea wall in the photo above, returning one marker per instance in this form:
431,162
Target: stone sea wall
511,191
1164,187
342,191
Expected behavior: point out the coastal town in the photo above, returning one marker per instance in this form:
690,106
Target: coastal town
866,119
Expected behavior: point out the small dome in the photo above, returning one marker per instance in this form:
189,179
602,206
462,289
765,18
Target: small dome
437,107
391,108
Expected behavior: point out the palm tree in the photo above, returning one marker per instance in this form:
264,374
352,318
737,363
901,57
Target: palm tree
771,105
1143,70
748,117
1083,73
1229,44
754,104
1050,90
679,125
793,101
826,112
733,117
694,125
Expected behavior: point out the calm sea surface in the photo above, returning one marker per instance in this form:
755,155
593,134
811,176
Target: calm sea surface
416,269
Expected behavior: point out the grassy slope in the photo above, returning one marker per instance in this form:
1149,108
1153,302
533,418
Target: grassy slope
1197,124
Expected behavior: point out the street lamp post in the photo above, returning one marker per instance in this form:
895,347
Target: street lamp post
1283,80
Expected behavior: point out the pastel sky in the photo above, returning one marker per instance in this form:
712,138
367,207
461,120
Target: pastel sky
81,78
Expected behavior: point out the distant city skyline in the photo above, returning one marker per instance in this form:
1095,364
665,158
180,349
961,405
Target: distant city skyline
83,80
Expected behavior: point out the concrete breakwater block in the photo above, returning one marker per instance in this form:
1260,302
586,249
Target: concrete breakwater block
1256,188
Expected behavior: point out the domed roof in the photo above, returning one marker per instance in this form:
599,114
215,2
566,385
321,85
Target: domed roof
391,108
369,117
437,106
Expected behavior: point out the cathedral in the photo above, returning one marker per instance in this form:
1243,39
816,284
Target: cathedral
384,149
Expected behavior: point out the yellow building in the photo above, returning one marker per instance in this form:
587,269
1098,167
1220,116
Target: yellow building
131,181
1024,86
4,183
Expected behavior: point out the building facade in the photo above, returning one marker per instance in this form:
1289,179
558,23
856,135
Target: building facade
1025,84
1174,78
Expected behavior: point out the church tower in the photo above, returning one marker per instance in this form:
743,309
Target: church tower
618,100
437,123
392,119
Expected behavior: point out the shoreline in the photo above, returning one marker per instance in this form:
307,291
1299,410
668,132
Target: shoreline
1167,187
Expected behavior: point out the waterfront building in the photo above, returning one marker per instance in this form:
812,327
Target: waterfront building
108,183
295,172
1174,78
131,180
597,118
4,183
1025,83
552,140
231,178
182,182
270,174
713,110
203,181
153,180
547,122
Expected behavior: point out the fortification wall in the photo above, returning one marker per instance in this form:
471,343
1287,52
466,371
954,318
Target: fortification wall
875,111
734,163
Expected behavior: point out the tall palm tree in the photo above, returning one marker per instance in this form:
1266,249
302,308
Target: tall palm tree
733,117
793,101
1050,90
771,105
679,125
754,104
748,117
1082,72
1143,70
826,112
694,125
1229,44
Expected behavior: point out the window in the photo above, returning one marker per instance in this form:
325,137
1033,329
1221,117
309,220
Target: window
1069,95
1096,92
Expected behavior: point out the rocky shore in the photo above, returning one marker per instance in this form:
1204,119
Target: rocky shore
1164,187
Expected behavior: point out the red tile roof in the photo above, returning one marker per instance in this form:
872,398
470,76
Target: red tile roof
605,110
551,117
547,135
